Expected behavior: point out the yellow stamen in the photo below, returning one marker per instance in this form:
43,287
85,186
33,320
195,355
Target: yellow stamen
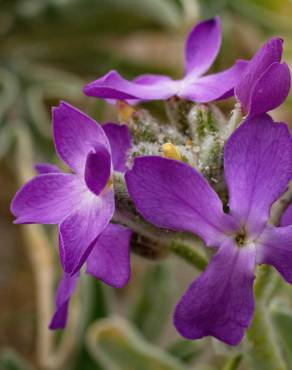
109,183
170,151
125,111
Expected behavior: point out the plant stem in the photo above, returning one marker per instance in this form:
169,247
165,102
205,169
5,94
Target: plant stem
263,351
189,254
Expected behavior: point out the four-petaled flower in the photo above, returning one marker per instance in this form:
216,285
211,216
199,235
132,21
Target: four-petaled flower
202,47
82,202
173,195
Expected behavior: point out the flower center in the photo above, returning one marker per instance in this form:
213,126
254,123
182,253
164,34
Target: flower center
241,239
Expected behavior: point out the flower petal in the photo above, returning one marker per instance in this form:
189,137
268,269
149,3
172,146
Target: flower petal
120,141
214,86
220,302
47,199
202,46
97,169
258,167
114,86
269,53
76,134
286,219
79,231
271,89
64,292
150,79
173,195
275,248
42,168
109,259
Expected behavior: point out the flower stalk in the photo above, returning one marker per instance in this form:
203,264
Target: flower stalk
263,351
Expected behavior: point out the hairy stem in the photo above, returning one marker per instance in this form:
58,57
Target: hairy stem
189,254
263,351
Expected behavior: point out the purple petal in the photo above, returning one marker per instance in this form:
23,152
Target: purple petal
64,292
220,302
202,46
42,168
109,259
76,135
146,79
258,167
47,199
97,169
120,141
276,249
114,86
271,89
286,219
81,228
269,53
215,86
150,79
173,195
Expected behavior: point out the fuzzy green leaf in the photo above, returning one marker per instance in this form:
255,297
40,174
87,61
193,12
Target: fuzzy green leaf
115,344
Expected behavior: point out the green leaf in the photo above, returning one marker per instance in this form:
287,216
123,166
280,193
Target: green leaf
11,360
233,363
95,306
155,301
185,350
263,349
115,344
282,319
9,89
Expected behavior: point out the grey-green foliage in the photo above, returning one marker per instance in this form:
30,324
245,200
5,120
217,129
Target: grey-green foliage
118,346
282,318
186,350
11,360
233,363
155,301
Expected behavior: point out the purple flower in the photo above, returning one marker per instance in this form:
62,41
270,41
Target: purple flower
265,83
202,46
173,195
82,202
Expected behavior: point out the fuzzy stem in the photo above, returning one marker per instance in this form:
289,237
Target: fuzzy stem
263,350
262,281
190,255
234,121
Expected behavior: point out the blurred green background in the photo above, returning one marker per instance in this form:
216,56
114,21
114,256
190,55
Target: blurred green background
48,50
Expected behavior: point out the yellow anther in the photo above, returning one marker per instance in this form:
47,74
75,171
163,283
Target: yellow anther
108,185
125,111
170,151
110,181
